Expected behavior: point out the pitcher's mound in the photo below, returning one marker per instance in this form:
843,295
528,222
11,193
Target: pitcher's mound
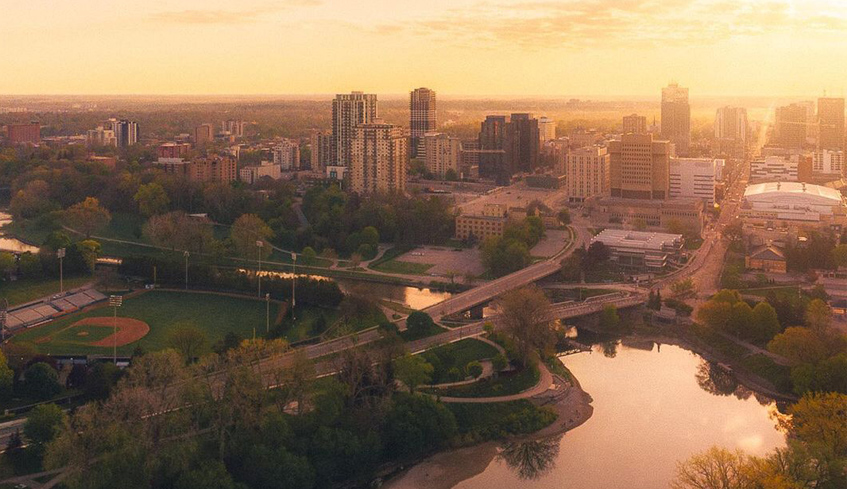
129,330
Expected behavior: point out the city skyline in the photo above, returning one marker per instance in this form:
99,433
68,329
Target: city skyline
459,47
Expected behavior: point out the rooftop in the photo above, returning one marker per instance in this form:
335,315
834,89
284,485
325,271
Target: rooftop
792,188
636,239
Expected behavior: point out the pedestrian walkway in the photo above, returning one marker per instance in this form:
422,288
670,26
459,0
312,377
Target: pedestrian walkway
545,382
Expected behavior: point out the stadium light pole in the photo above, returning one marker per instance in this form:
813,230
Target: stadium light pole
294,287
259,245
115,301
186,254
60,253
267,312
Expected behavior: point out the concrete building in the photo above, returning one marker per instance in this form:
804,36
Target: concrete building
766,258
442,153
791,126
580,138
204,134
676,117
635,124
423,119
731,124
24,133
831,122
641,251
639,167
546,129
286,154
216,168
491,222
321,146
774,168
379,156
693,178
126,132
827,165
492,155
252,174
522,142
786,207
587,172
658,215
173,150
348,111
101,137
470,158
233,128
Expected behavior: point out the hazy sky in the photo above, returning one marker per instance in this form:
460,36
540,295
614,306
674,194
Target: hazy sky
485,47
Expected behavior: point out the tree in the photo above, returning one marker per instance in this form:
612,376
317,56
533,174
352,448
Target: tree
43,423
683,288
7,377
30,265
564,217
819,422
419,323
413,370
800,345
152,199
41,381
597,254
88,250
188,340
87,216
246,232
474,369
818,316
734,232
717,468
609,318
7,263
741,317
715,314
524,319
728,296
765,324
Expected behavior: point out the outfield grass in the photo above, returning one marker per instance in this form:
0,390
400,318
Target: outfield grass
456,356
26,290
403,267
161,310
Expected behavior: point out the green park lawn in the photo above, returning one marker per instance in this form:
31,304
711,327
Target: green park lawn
506,384
26,290
456,355
161,310
403,267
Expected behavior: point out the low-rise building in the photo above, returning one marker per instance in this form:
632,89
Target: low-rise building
767,258
774,168
790,206
639,250
491,222
658,215
24,133
209,169
252,174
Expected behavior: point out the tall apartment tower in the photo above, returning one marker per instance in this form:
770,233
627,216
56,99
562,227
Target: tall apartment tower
831,120
587,171
635,124
638,167
731,124
443,153
521,143
378,156
492,156
348,111
676,117
321,142
423,119
204,134
126,132
791,127
546,129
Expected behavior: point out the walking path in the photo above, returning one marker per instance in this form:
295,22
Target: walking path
545,382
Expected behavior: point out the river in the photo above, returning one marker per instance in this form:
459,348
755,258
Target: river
653,407
11,244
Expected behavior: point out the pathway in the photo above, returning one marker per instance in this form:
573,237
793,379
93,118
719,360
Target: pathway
545,381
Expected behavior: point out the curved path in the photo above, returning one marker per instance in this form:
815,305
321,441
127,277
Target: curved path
545,380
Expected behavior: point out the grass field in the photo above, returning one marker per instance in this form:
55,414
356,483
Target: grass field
26,290
506,384
456,356
403,267
161,310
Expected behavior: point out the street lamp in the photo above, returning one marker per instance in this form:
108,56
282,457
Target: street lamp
186,255
259,245
293,286
115,301
60,253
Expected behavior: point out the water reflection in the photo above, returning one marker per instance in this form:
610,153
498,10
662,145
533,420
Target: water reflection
532,459
11,244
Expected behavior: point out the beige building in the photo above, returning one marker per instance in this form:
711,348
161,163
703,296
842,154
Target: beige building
252,174
203,134
321,145
491,222
442,153
638,167
635,124
378,158
658,215
210,169
587,172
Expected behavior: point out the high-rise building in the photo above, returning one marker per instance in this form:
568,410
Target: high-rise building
321,143
546,129
204,134
492,156
693,178
634,124
731,123
287,155
828,164
173,150
378,157
521,143
676,117
443,153
831,121
254,173
638,167
348,111
791,126
24,133
215,168
233,128
587,171
126,132
101,137
423,119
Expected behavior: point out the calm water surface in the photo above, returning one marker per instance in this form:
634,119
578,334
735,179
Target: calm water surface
653,406
11,244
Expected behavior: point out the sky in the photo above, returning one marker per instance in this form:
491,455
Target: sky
551,48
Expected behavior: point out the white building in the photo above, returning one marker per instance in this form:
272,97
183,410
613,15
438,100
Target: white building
587,172
641,250
442,153
287,155
828,162
731,123
774,168
101,137
692,178
546,129
251,174
783,204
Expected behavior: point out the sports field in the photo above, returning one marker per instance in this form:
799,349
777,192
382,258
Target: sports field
159,310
